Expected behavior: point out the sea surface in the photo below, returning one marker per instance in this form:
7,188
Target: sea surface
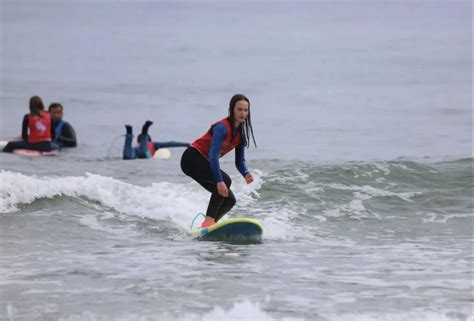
362,114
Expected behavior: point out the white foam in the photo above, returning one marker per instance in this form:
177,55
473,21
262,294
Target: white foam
247,310
374,192
246,193
277,227
384,168
240,311
92,222
392,316
443,218
280,216
355,208
174,202
160,201
297,176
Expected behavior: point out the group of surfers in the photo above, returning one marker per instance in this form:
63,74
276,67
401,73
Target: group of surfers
46,131
42,130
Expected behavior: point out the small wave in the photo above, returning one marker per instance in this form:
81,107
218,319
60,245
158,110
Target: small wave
371,190
292,200
157,201
160,201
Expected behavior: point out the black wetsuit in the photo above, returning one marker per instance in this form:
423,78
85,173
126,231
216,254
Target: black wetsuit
198,167
63,134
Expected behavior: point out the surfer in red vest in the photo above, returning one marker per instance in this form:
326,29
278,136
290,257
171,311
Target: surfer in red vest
36,129
146,146
200,161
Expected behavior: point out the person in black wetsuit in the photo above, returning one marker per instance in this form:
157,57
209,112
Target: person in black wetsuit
146,146
200,161
62,132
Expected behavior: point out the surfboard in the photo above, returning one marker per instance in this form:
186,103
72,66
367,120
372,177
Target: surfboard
3,143
232,229
162,153
29,152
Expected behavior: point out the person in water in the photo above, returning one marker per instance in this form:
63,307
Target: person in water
200,161
146,146
36,130
62,132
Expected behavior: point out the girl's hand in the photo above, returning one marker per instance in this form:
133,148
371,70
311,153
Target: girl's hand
248,178
222,189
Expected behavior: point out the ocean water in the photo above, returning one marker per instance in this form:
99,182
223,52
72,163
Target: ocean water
362,113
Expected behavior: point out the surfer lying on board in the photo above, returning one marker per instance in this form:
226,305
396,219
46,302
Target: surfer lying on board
62,132
200,161
146,147
36,130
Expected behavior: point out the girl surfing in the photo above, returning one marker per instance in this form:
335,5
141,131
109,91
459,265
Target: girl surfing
200,161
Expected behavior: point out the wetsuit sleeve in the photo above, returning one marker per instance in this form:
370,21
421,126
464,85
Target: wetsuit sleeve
240,158
68,136
218,134
24,129
159,145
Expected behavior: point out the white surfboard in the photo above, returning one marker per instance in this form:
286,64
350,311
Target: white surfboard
3,143
162,153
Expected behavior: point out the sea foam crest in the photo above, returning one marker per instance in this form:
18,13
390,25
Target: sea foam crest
174,202
163,200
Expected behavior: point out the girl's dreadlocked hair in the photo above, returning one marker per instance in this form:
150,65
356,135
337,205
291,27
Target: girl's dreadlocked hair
245,128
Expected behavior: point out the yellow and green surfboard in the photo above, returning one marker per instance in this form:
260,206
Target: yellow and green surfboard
232,229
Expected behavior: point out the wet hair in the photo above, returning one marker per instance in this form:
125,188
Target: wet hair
55,105
245,128
36,105
139,137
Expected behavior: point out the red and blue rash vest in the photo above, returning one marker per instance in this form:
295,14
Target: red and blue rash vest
203,144
217,142
39,127
151,148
